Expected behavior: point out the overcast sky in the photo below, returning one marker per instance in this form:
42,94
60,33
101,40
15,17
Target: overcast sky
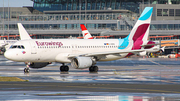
16,3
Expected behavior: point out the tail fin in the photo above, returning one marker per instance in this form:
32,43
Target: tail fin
85,32
22,32
140,30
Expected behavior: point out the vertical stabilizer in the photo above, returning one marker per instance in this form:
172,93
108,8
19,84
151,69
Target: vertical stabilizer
22,32
85,32
140,30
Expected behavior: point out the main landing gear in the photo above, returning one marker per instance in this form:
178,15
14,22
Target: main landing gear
93,69
64,68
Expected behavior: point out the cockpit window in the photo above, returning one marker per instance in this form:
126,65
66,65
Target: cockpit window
14,46
17,46
22,47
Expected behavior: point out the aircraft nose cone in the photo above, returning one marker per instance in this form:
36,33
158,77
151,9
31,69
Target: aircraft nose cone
8,55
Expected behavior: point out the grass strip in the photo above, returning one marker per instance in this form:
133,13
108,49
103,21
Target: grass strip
15,79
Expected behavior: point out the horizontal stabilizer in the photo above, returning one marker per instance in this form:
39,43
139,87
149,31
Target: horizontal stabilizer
150,45
157,44
163,48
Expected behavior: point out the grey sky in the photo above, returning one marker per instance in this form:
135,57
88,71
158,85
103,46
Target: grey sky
16,3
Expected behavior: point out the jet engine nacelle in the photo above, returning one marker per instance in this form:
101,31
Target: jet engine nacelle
38,64
142,53
81,62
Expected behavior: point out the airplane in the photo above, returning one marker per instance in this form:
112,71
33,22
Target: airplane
5,44
81,53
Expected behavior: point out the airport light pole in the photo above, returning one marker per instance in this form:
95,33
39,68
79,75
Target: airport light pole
85,12
79,15
3,17
142,6
8,19
149,3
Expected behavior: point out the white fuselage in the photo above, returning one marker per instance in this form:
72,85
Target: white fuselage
58,50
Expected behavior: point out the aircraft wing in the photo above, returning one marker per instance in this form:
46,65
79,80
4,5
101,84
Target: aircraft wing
105,53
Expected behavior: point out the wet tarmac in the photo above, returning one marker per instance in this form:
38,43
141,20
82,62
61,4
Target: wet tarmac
136,79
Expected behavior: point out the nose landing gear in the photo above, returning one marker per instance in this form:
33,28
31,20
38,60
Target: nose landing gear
26,70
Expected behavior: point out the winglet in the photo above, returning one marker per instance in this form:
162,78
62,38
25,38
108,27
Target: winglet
85,32
22,32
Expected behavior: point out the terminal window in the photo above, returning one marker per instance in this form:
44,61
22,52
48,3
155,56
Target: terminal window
159,12
165,12
171,12
177,12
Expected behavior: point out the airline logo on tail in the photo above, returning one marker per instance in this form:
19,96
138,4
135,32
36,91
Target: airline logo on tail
85,32
140,31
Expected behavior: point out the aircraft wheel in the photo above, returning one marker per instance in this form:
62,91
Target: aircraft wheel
26,70
66,68
93,69
62,68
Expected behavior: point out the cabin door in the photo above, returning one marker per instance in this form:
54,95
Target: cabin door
33,47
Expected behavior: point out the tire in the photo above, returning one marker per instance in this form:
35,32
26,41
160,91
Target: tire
24,70
95,68
62,68
27,70
91,69
66,68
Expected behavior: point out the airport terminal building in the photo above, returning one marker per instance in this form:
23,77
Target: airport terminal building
114,18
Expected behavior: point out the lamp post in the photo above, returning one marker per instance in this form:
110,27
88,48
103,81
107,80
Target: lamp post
85,12
79,16
3,17
8,19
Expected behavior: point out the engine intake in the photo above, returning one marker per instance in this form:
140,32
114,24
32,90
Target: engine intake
81,62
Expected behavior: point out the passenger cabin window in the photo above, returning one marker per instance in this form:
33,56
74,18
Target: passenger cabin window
17,47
